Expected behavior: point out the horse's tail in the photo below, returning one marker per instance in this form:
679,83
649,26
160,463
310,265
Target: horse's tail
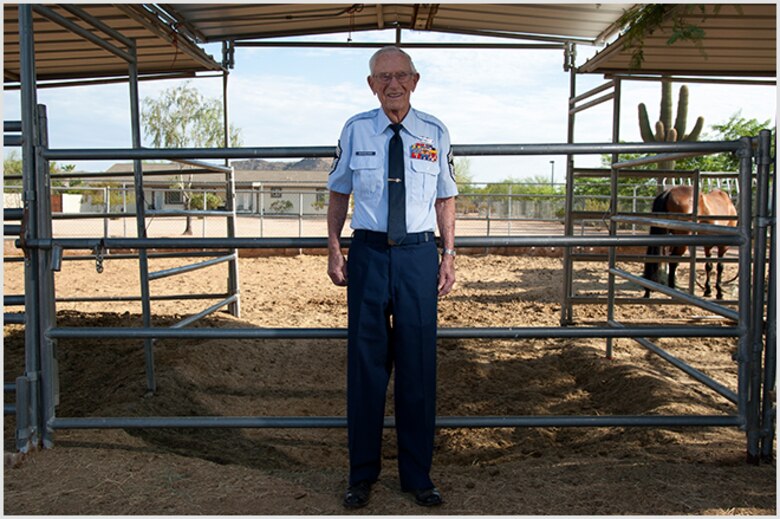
659,206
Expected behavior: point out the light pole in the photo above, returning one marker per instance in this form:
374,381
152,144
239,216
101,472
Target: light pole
552,173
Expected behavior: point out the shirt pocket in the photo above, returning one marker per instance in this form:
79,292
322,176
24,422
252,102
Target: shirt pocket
368,175
424,178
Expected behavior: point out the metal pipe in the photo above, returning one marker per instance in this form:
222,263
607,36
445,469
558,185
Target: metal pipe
143,261
189,268
12,230
328,151
13,318
686,368
598,101
681,225
594,332
184,212
586,300
591,92
568,221
172,297
210,310
16,300
14,141
9,387
29,424
770,363
12,126
747,403
9,409
657,158
214,168
80,31
379,45
321,243
108,174
332,422
679,295
97,23
12,214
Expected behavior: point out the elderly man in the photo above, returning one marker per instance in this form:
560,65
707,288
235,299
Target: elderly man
397,163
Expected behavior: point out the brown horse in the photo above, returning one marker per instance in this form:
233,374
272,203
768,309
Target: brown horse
679,199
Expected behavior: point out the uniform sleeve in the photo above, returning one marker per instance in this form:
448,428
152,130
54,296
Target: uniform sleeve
446,186
340,177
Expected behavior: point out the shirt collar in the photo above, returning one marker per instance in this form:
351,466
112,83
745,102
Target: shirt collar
411,122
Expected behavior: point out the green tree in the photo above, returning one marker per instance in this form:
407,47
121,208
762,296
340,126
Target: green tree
642,20
181,117
12,166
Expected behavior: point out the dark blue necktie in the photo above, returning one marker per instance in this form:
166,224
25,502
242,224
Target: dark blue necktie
396,210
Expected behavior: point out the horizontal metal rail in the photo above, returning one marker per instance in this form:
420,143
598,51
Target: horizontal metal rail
151,255
680,225
12,214
322,243
185,212
210,310
656,158
282,152
443,333
12,230
13,300
9,409
677,294
189,268
591,300
686,368
13,141
14,318
128,175
205,165
333,422
9,387
12,126
172,297
643,258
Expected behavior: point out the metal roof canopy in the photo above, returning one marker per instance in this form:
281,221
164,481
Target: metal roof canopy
739,41
77,41
581,23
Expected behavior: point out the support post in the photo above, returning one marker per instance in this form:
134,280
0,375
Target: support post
140,218
613,209
748,404
568,223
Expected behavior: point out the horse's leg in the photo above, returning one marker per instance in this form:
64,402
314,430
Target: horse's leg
676,252
718,289
707,270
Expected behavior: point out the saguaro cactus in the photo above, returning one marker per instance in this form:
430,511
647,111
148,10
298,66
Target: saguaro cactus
664,131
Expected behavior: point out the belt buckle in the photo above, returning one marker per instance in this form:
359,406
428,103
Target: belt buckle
391,242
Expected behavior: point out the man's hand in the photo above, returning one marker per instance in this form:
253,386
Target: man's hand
337,268
446,274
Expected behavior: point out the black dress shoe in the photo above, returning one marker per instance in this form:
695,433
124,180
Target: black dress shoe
428,497
357,495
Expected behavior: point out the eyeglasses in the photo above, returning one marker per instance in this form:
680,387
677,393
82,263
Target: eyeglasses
401,77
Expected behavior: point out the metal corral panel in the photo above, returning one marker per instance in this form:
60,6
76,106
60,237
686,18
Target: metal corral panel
739,40
215,22
63,54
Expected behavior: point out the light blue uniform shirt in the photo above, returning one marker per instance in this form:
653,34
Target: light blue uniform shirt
361,168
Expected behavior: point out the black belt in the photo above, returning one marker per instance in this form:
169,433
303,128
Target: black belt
412,238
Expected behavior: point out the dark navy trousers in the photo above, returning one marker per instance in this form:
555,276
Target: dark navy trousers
392,301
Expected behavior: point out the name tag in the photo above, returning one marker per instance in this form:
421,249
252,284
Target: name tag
365,153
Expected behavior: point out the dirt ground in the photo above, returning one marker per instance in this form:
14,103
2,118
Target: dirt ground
521,471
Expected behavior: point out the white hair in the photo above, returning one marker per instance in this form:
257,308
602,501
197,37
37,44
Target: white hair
390,49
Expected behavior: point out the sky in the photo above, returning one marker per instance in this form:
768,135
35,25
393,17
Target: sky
303,96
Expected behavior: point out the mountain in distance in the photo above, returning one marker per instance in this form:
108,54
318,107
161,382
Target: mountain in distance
311,164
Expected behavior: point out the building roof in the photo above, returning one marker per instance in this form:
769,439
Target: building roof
61,53
739,40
